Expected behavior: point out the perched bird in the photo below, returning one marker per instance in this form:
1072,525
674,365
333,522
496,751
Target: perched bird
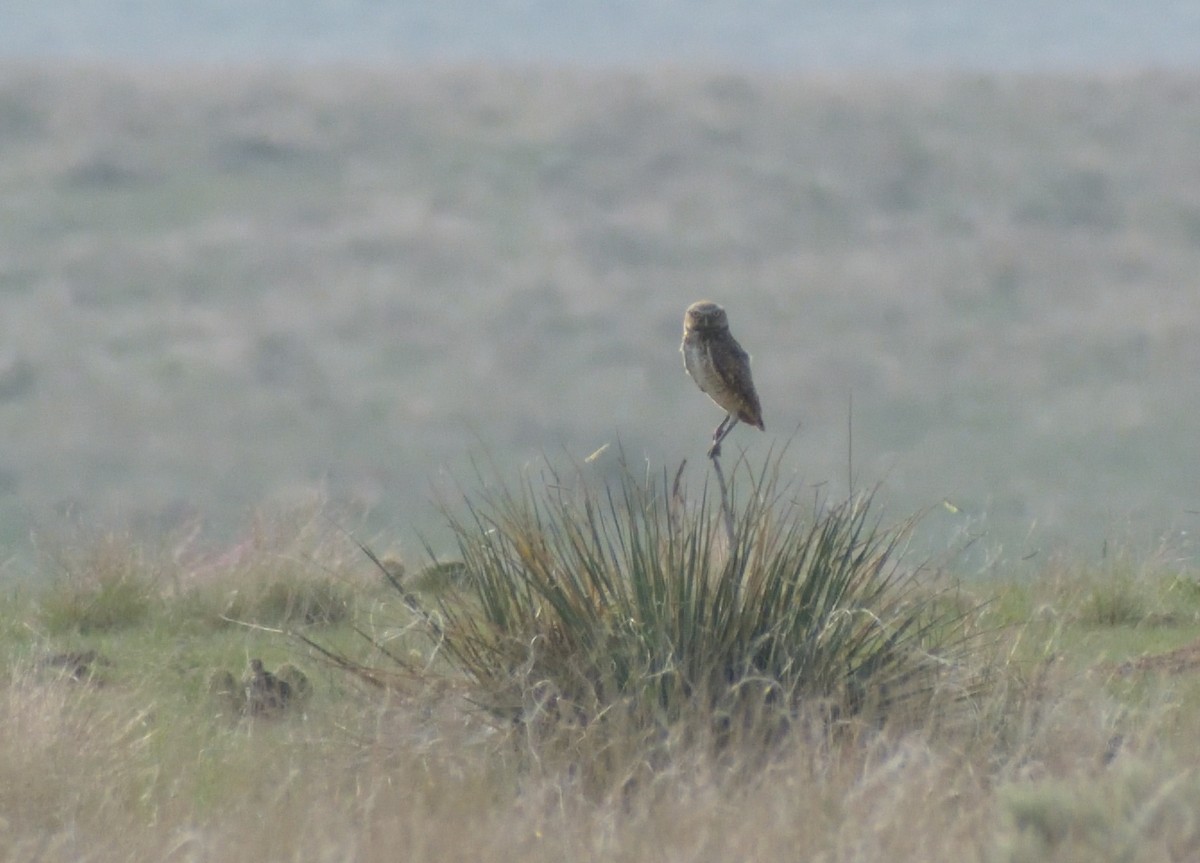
265,693
720,368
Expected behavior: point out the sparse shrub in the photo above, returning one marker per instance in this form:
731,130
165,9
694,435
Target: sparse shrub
1127,813
298,600
589,603
1124,589
110,584
1116,600
273,599
286,572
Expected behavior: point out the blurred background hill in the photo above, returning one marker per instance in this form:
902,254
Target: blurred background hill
815,34
252,256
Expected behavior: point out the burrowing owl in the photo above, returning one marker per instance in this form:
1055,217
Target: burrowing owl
265,693
720,368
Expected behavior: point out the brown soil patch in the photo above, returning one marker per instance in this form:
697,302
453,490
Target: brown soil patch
1186,658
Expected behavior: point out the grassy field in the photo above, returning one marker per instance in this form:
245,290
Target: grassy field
331,292
1081,747
229,288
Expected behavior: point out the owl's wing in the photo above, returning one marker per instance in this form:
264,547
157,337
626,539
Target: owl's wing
732,365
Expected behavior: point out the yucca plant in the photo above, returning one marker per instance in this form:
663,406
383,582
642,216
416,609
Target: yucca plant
584,599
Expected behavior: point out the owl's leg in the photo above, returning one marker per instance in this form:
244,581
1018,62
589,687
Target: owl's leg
719,435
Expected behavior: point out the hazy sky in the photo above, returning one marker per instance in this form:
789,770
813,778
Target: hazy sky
823,34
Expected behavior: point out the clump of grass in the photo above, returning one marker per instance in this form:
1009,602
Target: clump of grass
1115,600
285,572
586,603
1122,814
283,599
1121,589
106,585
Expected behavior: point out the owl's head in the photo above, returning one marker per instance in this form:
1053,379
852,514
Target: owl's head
704,316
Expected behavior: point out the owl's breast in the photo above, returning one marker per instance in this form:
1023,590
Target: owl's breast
697,359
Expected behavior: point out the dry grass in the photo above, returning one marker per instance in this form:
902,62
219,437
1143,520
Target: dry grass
1068,756
87,778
